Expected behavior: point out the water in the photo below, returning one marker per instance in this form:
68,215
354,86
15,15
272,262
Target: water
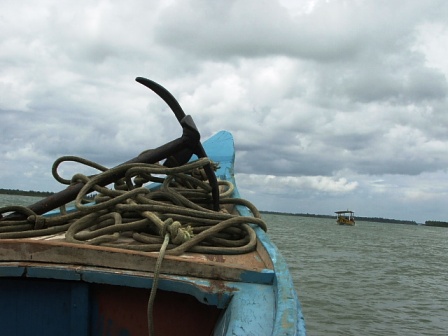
371,279
6,200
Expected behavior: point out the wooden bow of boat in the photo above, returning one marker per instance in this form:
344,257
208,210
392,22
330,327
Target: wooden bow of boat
82,289
52,285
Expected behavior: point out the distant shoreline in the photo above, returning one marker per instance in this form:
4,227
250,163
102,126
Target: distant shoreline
25,193
361,219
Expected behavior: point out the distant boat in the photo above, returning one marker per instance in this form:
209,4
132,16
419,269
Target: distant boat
345,217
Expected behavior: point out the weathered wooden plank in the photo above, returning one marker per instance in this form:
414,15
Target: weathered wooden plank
229,267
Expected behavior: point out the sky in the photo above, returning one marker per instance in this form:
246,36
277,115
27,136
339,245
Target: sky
333,105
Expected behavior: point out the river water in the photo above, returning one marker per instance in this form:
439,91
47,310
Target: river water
371,279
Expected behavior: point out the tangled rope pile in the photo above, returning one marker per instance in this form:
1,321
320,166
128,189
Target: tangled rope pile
172,219
131,216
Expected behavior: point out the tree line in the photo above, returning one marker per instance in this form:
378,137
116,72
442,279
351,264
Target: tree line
436,223
25,193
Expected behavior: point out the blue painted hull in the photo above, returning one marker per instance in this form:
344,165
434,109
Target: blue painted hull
98,291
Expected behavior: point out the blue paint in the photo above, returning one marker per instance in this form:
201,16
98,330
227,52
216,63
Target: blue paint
11,271
265,276
112,278
80,309
42,307
250,312
53,272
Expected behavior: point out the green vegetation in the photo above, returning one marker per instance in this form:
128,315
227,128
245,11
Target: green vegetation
25,193
436,223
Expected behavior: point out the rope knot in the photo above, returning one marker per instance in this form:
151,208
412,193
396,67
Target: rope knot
178,234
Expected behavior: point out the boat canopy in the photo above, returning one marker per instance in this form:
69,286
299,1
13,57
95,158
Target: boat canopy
346,211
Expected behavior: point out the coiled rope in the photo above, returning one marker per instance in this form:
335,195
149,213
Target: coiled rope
134,217
173,219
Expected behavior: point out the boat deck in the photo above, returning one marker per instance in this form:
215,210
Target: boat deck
254,267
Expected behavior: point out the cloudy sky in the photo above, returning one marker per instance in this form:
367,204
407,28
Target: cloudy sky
333,104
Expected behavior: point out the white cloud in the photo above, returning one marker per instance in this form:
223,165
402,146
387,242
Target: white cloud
431,41
272,184
321,96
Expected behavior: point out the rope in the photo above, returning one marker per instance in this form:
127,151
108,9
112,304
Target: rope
133,217
174,219
155,283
